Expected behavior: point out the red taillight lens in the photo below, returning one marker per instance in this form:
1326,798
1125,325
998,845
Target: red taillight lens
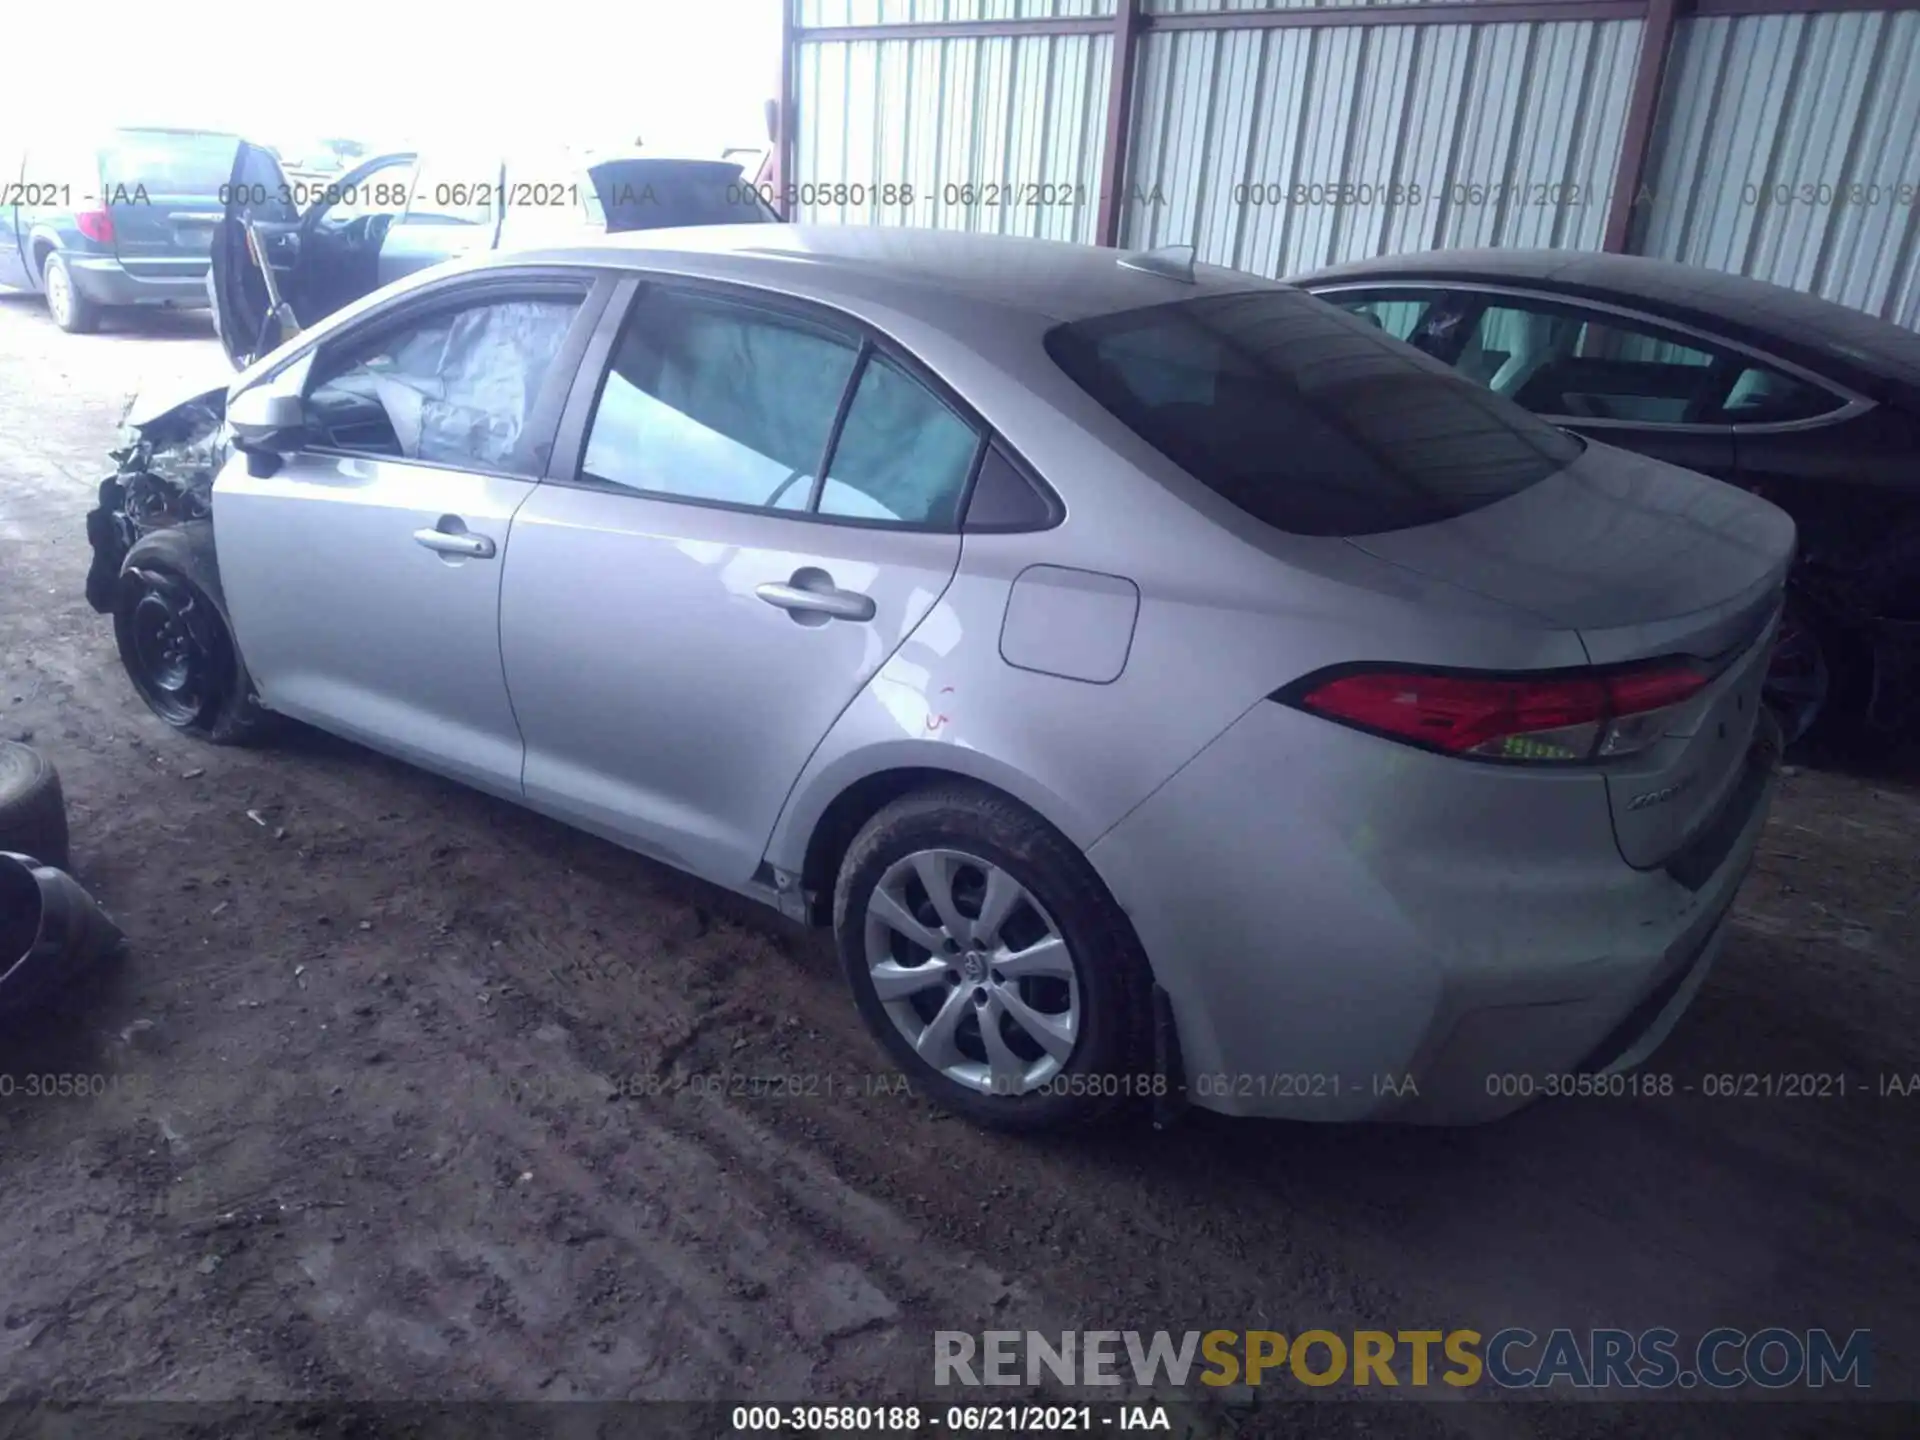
96,225
1549,717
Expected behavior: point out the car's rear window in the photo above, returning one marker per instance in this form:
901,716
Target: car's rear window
658,194
1306,417
168,162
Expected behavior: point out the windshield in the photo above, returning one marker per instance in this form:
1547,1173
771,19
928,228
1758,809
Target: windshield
1306,417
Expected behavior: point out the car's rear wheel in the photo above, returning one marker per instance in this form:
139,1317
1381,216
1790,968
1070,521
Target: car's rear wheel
988,959
180,655
1816,681
71,311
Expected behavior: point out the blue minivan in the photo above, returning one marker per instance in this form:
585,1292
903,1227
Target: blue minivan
122,218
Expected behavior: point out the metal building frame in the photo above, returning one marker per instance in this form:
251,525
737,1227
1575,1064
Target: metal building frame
1129,22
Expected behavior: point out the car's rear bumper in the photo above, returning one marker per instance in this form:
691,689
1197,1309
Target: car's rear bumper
105,281
1349,929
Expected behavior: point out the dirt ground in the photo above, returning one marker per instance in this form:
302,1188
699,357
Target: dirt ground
375,1122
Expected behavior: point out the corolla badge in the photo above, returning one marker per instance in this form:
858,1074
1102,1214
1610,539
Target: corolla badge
1663,794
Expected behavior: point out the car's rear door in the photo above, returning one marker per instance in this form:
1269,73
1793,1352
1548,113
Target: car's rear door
1603,372
689,605
363,574
163,190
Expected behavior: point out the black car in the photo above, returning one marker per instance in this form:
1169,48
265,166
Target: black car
101,221
1814,406
330,240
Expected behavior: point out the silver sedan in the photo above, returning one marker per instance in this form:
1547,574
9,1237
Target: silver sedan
1165,684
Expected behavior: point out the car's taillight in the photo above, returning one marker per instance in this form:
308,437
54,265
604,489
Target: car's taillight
1553,717
96,225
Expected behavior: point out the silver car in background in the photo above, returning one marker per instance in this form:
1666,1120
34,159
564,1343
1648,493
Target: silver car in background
1163,682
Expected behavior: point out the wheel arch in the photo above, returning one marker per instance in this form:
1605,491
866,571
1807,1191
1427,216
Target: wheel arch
827,812
40,247
188,548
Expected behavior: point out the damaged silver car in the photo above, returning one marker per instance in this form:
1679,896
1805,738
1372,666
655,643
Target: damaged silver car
1151,673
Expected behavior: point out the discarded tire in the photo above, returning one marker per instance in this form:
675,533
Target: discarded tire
33,812
50,931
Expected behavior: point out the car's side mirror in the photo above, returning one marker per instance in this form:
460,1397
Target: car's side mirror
267,417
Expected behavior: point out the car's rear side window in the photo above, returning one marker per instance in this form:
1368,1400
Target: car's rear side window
1307,417
168,162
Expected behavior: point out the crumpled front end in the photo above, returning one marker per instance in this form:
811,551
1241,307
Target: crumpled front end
165,471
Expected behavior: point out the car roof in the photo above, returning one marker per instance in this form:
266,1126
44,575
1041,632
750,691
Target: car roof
925,270
1829,338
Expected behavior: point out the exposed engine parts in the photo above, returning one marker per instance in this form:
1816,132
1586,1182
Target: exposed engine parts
165,478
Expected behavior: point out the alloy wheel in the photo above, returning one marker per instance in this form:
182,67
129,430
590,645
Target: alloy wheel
973,971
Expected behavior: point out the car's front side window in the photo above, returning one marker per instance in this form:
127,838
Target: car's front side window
447,191
337,203
456,386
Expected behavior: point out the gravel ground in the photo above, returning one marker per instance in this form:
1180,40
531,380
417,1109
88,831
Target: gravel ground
381,1125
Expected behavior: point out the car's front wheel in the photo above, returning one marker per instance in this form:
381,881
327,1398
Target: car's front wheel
71,311
989,960
180,655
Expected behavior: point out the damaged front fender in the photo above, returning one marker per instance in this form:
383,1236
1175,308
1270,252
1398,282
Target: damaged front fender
165,468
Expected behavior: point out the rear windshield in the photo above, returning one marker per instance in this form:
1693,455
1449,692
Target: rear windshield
657,194
1306,417
170,162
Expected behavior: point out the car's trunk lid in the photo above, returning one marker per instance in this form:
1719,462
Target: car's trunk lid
1644,561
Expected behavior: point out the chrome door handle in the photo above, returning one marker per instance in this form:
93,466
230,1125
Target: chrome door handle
458,542
835,604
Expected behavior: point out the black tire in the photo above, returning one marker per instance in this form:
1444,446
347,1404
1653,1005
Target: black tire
71,311
33,811
1111,1060
179,652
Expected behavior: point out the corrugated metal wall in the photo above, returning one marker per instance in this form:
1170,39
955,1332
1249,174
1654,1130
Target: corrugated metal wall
902,12
1283,149
1785,146
1002,135
1789,149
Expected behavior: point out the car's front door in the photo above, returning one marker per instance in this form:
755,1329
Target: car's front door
287,253
13,257
363,573
755,509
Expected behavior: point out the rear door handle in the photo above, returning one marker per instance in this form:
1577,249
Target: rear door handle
458,542
833,603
